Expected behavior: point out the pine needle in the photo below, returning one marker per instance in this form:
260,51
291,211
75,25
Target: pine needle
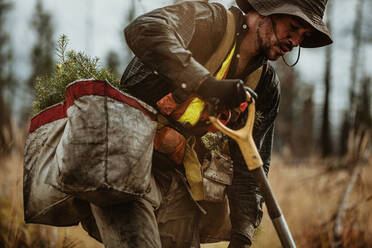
72,66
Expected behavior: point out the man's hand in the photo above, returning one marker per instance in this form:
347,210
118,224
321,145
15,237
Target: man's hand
227,94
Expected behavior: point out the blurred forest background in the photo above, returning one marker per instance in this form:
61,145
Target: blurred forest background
322,147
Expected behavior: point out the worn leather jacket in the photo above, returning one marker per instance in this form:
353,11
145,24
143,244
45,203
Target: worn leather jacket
170,45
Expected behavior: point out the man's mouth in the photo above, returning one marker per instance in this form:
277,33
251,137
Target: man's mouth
284,49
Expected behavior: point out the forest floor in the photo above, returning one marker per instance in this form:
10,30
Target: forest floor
308,197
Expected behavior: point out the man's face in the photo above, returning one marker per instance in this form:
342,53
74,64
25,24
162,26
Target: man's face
278,34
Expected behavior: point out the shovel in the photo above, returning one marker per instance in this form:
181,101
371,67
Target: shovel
244,139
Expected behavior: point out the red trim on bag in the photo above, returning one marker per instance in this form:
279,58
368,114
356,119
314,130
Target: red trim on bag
79,89
49,115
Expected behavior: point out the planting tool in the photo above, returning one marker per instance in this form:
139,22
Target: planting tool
244,139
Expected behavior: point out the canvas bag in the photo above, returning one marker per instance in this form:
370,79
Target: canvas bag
97,146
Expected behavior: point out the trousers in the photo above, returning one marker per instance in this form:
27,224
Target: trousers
167,217
171,221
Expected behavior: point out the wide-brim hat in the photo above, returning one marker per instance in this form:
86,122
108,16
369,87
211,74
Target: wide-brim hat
311,11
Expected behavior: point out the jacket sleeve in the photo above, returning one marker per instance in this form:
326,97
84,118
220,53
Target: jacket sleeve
244,194
160,39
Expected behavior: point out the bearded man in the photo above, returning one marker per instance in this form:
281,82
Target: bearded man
175,48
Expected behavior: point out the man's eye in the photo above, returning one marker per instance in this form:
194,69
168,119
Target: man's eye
293,27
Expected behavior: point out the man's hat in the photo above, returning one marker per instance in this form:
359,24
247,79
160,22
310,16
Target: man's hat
311,11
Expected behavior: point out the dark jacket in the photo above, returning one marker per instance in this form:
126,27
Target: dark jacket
170,45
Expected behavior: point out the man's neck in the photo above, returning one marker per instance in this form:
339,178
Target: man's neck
249,50
250,47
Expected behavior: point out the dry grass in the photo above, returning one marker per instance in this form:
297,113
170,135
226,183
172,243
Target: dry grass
14,232
307,197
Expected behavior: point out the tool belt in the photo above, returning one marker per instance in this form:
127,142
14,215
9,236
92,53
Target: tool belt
208,175
208,180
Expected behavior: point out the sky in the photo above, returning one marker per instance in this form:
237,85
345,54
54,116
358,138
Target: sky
95,27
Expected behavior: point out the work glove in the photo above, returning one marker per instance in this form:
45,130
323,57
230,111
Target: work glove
225,94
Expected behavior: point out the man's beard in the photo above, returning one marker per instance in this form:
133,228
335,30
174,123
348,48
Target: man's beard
264,49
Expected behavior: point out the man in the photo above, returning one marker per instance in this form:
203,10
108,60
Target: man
172,45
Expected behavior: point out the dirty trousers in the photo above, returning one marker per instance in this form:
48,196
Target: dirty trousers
174,224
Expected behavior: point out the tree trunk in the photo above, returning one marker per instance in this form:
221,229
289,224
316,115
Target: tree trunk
357,42
326,139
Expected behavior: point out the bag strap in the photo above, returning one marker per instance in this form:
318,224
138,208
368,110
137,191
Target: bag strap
223,49
224,46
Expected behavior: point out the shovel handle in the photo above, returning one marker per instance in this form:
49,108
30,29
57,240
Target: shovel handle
254,163
243,136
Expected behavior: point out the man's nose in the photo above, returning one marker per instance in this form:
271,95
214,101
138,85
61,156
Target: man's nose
295,40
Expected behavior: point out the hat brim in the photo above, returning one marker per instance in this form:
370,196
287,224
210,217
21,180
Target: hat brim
320,37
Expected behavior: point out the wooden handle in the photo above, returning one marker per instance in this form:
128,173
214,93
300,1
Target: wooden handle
243,136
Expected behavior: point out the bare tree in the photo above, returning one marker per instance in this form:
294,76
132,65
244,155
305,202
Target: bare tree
7,80
348,121
41,57
113,62
363,117
355,60
305,131
326,139
130,15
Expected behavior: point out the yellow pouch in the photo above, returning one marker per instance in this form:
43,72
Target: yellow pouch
193,111
193,170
